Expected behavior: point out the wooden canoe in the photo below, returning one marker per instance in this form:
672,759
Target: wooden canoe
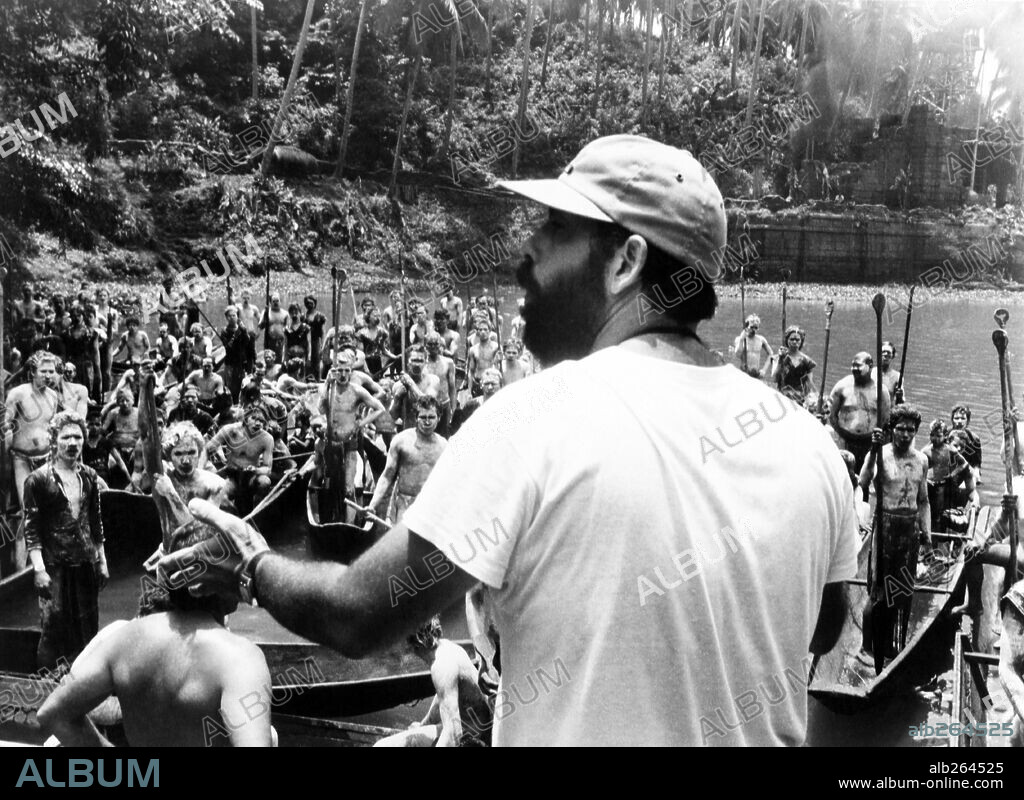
846,681
307,679
337,541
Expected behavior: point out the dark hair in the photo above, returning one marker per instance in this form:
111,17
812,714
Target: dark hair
294,364
905,413
657,275
427,635
961,407
428,403
294,309
62,420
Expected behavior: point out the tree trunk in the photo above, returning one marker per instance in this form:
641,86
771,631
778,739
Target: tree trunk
255,58
597,70
802,47
401,126
524,83
977,124
490,49
351,91
586,29
547,43
757,64
454,55
874,72
647,63
735,42
293,78
661,69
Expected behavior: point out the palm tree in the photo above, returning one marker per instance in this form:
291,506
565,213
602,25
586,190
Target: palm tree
293,78
736,16
547,43
255,58
524,82
757,63
351,91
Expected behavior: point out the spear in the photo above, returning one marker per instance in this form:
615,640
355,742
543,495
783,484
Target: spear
1002,316
877,609
898,391
829,308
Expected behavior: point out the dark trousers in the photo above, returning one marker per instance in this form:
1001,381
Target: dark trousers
71,617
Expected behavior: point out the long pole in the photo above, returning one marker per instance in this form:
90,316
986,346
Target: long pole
829,308
497,305
1002,316
3,399
266,307
999,339
881,632
898,393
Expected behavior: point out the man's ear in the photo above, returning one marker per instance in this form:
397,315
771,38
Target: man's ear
625,266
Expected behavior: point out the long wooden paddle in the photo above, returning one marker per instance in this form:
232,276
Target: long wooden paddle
881,629
743,302
1002,316
829,308
266,306
999,339
897,399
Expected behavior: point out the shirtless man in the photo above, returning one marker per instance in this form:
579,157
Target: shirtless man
482,356
1011,657
411,458
135,340
188,410
906,514
249,457
449,335
890,375
412,385
28,307
74,396
854,413
460,713
518,324
199,344
276,317
121,423
184,446
749,346
489,385
248,314
208,383
444,368
513,366
182,680
166,344
106,321
421,326
946,468
451,304
29,410
342,403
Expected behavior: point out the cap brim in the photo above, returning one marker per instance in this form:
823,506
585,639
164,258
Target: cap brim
554,193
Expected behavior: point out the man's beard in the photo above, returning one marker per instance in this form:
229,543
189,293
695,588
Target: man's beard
562,321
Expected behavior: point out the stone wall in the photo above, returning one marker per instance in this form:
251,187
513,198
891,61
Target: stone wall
873,245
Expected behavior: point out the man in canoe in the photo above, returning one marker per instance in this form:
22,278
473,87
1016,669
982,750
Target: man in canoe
461,713
349,409
906,514
552,516
890,375
64,534
249,454
853,411
444,368
181,678
411,457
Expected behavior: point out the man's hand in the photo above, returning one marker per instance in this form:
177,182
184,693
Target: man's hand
877,437
897,399
42,584
926,537
102,573
216,561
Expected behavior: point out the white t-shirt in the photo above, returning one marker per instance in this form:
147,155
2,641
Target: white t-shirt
656,573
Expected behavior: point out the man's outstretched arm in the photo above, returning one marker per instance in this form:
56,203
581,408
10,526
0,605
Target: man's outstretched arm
402,581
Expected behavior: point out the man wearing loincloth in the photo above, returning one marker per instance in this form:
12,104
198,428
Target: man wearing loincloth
906,515
29,410
854,412
64,534
411,458
249,455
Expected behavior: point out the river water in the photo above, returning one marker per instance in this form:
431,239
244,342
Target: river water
951,359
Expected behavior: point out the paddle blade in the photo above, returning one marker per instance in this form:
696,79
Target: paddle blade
878,303
1001,316
999,339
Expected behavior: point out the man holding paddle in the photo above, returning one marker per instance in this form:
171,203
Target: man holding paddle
553,519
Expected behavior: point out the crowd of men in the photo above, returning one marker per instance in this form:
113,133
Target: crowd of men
338,404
